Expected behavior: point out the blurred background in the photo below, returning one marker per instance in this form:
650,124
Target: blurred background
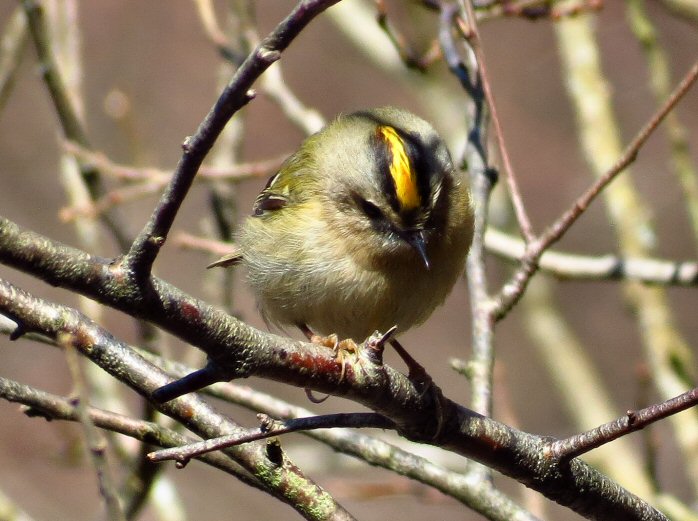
149,75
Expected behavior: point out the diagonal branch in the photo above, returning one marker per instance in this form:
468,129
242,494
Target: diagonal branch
236,94
514,192
633,421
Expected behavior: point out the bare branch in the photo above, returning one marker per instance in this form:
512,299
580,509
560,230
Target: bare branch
285,482
633,421
270,428
12,44
147,245
474,39
603,267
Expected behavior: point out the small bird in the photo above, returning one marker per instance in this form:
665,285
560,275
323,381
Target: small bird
364,228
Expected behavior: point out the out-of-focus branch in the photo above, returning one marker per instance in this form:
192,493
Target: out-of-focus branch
12,44
11,512
660,82
604,267
408,55
584,395
272,83
68,114
148,181
95,444
534,9
235,172
685,9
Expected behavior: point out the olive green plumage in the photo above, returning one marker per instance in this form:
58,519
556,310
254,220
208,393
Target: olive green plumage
365,227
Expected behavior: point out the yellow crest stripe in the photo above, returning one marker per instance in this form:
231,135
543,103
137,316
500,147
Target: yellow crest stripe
404,177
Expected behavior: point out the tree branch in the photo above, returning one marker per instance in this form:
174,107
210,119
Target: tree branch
237,94
239,350
53,407
513,290
603,267
633,421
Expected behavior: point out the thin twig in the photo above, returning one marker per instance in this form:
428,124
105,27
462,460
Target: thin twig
577,445
271,428
408,55
188,241
272,83
522,218
236,172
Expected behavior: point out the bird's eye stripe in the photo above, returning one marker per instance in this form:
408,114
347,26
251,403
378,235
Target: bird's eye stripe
401,171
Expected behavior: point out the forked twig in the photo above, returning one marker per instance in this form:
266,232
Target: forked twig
513,290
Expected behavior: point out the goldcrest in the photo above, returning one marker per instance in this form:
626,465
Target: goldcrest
365,227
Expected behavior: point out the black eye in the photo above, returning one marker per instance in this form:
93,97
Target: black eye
370,209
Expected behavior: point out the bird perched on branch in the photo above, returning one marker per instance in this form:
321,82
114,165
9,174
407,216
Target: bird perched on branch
364,228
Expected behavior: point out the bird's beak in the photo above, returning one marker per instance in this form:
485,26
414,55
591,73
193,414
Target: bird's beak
415,238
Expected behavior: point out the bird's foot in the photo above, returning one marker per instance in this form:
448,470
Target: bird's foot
340,348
